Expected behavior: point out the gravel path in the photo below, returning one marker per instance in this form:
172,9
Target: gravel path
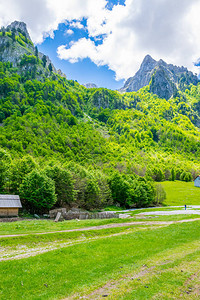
115,225
171,213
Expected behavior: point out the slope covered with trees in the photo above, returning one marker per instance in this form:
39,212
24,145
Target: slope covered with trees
64,144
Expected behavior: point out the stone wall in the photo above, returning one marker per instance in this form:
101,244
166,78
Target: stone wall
75,213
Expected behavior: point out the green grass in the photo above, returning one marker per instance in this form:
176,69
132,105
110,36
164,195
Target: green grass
33,240
40,226
181,193
84,267
33,226
45,226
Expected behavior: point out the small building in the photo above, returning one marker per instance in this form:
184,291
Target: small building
197,181
9,205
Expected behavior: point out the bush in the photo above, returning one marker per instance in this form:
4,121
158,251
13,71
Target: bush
160,194
132,192
186,176
143,193
38,192
120,189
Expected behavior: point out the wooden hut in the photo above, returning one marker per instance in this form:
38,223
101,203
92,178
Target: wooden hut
9,205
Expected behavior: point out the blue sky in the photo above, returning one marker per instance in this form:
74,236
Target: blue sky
84,71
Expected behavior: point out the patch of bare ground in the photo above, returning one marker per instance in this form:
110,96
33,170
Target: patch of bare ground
191,289
24,252
115,225
128,282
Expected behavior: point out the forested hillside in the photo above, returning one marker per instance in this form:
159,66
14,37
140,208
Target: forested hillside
64,144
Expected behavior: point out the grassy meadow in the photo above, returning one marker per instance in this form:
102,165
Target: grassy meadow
181,193
157,258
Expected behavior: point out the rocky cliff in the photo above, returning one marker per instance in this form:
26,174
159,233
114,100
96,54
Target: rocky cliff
17,48
164,79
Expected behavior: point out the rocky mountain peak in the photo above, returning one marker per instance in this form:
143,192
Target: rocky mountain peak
90,85
164,79
148,60
19,26
17,48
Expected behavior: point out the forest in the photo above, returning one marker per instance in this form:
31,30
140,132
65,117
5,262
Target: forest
64,144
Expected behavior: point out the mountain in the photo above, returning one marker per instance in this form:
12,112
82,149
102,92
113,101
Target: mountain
16,47
93,146
163,79
90,85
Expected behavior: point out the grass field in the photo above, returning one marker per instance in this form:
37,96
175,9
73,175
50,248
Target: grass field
181,193
155,259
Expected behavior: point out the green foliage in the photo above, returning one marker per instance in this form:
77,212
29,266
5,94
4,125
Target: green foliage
64,185
186,176
160,194
104,140
173,175
50,67
120,189
18,170
28,59
137,192
44,60
38,191
4,168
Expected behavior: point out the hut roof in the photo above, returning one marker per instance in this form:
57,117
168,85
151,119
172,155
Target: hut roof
10,201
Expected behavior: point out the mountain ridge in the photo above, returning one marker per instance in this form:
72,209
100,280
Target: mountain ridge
164,79
16,42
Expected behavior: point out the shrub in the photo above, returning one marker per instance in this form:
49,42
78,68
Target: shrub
144,193
186,176
160,194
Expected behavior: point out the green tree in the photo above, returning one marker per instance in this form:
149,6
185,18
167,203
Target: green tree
38,192
92,193
50,67
19,169
120,189
64,185
44,60
160,194
5,161
186,176
173,175
36,51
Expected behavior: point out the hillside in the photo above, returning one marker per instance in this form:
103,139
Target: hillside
93,146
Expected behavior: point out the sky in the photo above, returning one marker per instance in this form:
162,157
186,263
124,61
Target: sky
105,41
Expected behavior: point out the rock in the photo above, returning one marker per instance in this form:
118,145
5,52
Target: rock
79,214
46,216
90,85
13,51
57,217
124,216
19,26
164,79
53,212
36,216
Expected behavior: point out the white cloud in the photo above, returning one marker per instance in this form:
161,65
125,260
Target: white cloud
76,25
167,29
69,32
